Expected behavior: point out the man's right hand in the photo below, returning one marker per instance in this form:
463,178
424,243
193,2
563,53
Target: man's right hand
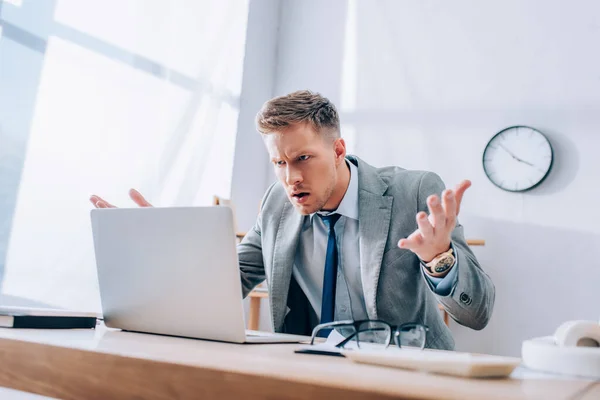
136,196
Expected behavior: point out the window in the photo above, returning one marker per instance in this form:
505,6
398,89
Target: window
97,97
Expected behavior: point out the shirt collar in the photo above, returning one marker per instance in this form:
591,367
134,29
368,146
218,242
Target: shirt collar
349,205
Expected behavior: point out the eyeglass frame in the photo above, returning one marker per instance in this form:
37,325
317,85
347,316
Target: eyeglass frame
394,330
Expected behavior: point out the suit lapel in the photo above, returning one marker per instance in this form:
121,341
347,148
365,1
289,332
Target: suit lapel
374,213
284,252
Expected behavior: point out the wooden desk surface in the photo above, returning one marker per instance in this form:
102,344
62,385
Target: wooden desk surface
102,364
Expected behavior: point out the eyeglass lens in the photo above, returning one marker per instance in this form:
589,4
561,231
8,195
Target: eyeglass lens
411,336
373,332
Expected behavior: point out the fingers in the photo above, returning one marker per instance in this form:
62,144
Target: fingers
434,231
138,198
424,225
99,202
436,211
449,204
459,191
452,199
413,242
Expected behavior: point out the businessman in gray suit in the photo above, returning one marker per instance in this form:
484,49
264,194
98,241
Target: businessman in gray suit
338,239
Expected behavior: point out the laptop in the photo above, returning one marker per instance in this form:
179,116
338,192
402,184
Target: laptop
173,271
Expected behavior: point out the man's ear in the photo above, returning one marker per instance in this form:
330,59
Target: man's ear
339,146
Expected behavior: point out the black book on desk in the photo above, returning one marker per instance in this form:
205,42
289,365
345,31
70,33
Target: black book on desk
45,318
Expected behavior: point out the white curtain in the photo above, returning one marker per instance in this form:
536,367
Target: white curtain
137,94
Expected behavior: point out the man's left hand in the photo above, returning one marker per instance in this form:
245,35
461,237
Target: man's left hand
434,232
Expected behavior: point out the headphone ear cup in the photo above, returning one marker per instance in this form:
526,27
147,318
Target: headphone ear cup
578,334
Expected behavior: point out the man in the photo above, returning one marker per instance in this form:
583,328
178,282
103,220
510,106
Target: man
337,239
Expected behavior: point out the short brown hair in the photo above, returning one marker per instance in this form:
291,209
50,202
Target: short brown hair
298,107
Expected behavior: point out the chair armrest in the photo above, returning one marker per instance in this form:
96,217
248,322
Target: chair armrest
259,293
476,242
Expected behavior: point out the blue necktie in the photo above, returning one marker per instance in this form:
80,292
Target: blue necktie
330,274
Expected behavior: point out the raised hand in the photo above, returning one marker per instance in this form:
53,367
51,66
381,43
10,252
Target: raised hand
136,196
434,232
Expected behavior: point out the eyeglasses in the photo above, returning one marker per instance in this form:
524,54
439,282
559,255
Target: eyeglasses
375,332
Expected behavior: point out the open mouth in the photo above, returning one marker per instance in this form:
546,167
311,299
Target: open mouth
300,197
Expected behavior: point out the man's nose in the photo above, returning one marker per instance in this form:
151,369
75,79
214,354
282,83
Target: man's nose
293,176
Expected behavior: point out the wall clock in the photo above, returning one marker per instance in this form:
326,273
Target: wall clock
518,158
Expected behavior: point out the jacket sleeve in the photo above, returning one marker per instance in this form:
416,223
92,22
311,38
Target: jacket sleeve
471,300
252,269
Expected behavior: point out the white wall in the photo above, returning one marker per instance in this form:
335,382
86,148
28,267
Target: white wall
250,170
425,84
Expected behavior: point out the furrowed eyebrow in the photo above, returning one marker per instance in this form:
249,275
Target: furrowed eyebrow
302,153
294,155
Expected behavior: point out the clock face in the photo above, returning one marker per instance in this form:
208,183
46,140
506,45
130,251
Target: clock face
518,158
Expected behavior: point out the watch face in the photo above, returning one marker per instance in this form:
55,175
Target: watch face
441,268
444,264
518,158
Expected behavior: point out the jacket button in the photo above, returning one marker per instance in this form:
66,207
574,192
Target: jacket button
465,298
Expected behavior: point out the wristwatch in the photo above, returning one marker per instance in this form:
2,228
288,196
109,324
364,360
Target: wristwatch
441,263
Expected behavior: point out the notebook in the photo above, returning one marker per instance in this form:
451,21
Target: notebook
45,318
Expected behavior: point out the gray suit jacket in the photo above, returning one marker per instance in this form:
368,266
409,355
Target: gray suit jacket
394,288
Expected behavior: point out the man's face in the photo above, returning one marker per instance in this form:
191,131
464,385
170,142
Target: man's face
306,164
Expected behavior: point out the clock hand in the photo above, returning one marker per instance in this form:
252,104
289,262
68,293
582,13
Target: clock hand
509,152
525,162
515,157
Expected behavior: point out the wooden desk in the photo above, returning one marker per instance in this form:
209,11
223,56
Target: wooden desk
107,364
